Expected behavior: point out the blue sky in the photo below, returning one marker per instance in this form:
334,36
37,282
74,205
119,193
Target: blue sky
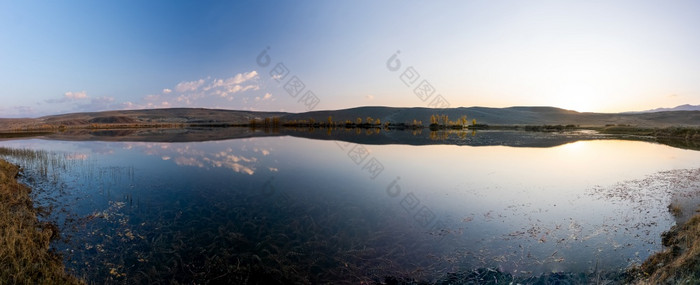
605,56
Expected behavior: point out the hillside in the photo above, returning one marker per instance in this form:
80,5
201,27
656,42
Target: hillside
151,117
178,117
507,116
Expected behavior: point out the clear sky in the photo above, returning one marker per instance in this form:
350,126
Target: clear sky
603,56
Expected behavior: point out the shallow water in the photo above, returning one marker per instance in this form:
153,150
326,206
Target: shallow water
286,209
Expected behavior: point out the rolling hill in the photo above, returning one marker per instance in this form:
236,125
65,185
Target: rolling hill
483,115
507,116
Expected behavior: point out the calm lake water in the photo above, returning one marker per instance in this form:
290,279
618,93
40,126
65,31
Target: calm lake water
287,209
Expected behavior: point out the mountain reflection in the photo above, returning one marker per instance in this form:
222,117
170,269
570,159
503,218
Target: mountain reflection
375,136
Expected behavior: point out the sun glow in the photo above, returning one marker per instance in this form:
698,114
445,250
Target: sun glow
578,98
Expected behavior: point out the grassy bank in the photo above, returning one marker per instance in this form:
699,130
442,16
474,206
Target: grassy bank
25,257
682,137
679,133
679,263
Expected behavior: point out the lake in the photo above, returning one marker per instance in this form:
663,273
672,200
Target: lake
286,209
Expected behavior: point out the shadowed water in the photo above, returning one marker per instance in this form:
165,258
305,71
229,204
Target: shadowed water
285,209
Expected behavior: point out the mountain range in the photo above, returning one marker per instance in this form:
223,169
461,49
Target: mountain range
686,107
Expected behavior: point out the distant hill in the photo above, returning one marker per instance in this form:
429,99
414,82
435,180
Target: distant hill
483,115
686,107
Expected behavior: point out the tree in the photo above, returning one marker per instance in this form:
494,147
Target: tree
330,120
276,121
370,120
445,120
378,121
473,122
359,121
464,120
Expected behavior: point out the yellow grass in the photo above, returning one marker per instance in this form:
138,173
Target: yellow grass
24,241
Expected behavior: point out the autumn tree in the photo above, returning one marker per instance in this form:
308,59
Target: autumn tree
445,120
276,121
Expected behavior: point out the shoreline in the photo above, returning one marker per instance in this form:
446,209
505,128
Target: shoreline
25,242
679,261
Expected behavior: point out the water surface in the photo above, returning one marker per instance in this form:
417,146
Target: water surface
288,209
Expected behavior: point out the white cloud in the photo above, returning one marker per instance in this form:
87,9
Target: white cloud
69,96
189,86
264,98
128,105
190,93
157,105
204,92
75,101
232,81
75,95
235,89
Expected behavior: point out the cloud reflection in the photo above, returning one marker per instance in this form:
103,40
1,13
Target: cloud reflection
76,156
202,155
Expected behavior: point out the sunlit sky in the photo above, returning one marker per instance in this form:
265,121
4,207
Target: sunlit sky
602,56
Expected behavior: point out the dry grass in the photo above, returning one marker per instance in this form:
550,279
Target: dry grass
25,257
679,263
677,133
675,209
